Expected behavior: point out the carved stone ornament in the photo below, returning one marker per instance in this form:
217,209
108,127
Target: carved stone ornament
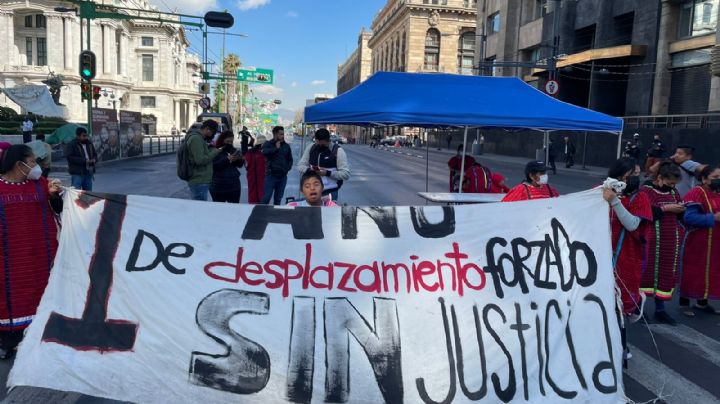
434,18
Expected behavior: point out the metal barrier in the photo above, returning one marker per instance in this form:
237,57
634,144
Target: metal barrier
693,121
161,144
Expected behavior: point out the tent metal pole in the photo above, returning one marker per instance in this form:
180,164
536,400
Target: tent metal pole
546,141
427,162
462,163
619,149
302,151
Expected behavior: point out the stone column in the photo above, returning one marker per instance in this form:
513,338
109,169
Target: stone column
67,42
7,36
714,102
124,54
54,35
667,33
106,49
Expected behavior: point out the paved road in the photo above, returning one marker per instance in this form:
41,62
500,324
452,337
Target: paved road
678,364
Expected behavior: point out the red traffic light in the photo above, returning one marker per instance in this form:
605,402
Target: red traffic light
96,92
85,91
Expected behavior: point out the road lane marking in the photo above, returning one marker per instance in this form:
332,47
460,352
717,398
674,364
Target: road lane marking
690,339
665,383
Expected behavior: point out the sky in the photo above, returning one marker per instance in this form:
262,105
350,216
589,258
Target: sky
303,41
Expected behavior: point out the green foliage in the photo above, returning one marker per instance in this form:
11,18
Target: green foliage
8,114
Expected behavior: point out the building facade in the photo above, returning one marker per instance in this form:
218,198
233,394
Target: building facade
141,66
621,57
356,69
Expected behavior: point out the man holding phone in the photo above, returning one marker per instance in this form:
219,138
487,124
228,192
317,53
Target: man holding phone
327,160
279,161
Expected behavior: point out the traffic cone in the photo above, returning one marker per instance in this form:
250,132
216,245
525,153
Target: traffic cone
397,143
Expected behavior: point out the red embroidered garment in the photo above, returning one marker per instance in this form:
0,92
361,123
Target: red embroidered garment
701,264
664,239
455,165
524,192
28,242
478,180
255,166
630,254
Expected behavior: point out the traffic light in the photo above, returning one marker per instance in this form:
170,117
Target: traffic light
87,65
96,93
85,91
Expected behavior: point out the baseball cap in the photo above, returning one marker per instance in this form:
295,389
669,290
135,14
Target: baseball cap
535,166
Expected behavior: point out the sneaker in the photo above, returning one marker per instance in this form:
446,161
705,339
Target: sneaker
663,317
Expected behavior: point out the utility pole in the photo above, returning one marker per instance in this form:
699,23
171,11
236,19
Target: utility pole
555,39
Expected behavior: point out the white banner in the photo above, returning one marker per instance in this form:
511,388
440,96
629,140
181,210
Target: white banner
36,98
165,300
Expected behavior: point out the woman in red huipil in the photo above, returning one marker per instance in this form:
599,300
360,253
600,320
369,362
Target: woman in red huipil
701,264
455,164
630,215
255,166
28,241
535,185
664,239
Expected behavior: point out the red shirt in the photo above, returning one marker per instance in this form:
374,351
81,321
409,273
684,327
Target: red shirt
525,192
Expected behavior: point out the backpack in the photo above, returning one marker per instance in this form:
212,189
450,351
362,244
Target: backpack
184,163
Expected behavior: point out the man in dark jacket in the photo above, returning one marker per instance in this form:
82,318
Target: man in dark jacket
246,140
81,157
569,152
279,161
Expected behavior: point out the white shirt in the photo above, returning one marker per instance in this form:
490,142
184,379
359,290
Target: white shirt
85,152
27,126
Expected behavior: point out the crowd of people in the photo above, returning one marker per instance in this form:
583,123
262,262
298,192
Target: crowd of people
664,234
216,162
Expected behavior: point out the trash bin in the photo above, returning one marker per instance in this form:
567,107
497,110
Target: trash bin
540,154
476,148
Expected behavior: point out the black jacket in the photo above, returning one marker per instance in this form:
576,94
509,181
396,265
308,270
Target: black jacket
77,163
278,161
246,141
226,176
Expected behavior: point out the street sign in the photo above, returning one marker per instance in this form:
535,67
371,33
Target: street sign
552,87
263,76
204,103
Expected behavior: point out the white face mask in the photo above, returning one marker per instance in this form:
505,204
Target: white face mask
34,173
543,180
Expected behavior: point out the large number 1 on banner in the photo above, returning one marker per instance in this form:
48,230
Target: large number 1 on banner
93,332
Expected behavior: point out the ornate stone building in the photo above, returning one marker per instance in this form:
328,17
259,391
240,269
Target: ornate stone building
424,36
356,69
143,66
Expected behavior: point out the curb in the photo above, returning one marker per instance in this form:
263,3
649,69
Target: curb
64,168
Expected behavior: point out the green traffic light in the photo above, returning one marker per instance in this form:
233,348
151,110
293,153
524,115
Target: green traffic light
86,72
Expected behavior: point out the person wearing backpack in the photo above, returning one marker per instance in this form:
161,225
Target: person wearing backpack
478,179
330,163
195,159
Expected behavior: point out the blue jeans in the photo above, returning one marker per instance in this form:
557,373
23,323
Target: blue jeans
83,182
199,192
275,188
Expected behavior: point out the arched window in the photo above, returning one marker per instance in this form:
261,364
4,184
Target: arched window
432,50
466,52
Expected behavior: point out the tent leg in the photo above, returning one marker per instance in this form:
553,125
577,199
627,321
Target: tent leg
302,150
619,149
462,163
546,142
427,162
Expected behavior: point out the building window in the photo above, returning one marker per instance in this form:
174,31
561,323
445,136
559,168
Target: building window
40,21
28,21
119,56
147,68
470,3
690,58
402,52
466,52
28,51
432,49
147,41
42,52
435,2
494,23
698,17
147,102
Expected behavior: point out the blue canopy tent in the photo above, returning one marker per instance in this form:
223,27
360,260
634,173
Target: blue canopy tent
455,101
